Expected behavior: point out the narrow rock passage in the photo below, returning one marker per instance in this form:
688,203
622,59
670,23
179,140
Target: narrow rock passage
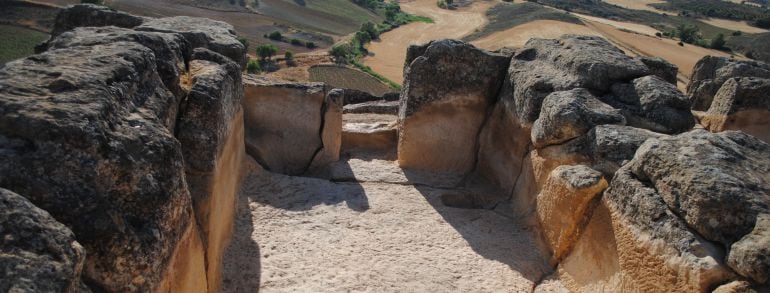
390,233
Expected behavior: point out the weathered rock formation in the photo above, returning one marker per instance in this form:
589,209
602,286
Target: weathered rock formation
289,125
710,73
130,134
37,253
685,210
448,90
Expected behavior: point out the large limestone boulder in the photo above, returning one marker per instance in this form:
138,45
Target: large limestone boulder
285,123
563,203
710,73
544,66
210,130
570,114
651,103
87,135
171,50
607,147
717,183
110,133
449,87
214,35
37,253
741,103
83,15
661,68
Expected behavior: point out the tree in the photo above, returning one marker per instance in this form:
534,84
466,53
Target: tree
253,67
341,53
370,28
310,45
266,51
289,55
718,42
687,33
296,42
275,35
363,37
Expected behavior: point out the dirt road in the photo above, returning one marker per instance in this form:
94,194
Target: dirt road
388,54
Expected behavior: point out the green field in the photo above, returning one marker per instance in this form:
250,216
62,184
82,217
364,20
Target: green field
17,42
507,15
344,77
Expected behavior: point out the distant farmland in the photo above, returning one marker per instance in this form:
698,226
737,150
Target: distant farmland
18,42
343,77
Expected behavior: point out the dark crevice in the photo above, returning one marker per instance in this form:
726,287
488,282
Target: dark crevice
324,108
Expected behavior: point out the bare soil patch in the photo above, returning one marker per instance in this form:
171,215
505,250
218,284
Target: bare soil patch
519,35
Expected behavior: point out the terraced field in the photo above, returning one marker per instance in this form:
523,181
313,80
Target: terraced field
344,77
18,42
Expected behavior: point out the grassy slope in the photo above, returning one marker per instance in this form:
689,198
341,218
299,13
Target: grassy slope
507,15
336,17
17,42
343,77
659,21
715,8
756,46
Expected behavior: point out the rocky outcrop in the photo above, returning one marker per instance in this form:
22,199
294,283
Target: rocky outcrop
710,73
448,90
286,124
90,15
741,103
570,114
563,203
120,135
215,35
37,253
210,130
661,68
575,110
651,103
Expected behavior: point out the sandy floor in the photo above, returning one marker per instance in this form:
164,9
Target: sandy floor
519,35
387,55
390,233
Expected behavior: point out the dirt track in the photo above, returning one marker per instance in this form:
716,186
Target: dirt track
387,55
519,35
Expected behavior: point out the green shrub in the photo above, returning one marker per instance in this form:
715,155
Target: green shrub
310,45
276,35
266,51
289,55
341,53
297,42
253,67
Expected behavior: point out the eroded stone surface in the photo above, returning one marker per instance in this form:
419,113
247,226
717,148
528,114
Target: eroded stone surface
742,104
284,122
37,253
570,114
449,86
710,73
